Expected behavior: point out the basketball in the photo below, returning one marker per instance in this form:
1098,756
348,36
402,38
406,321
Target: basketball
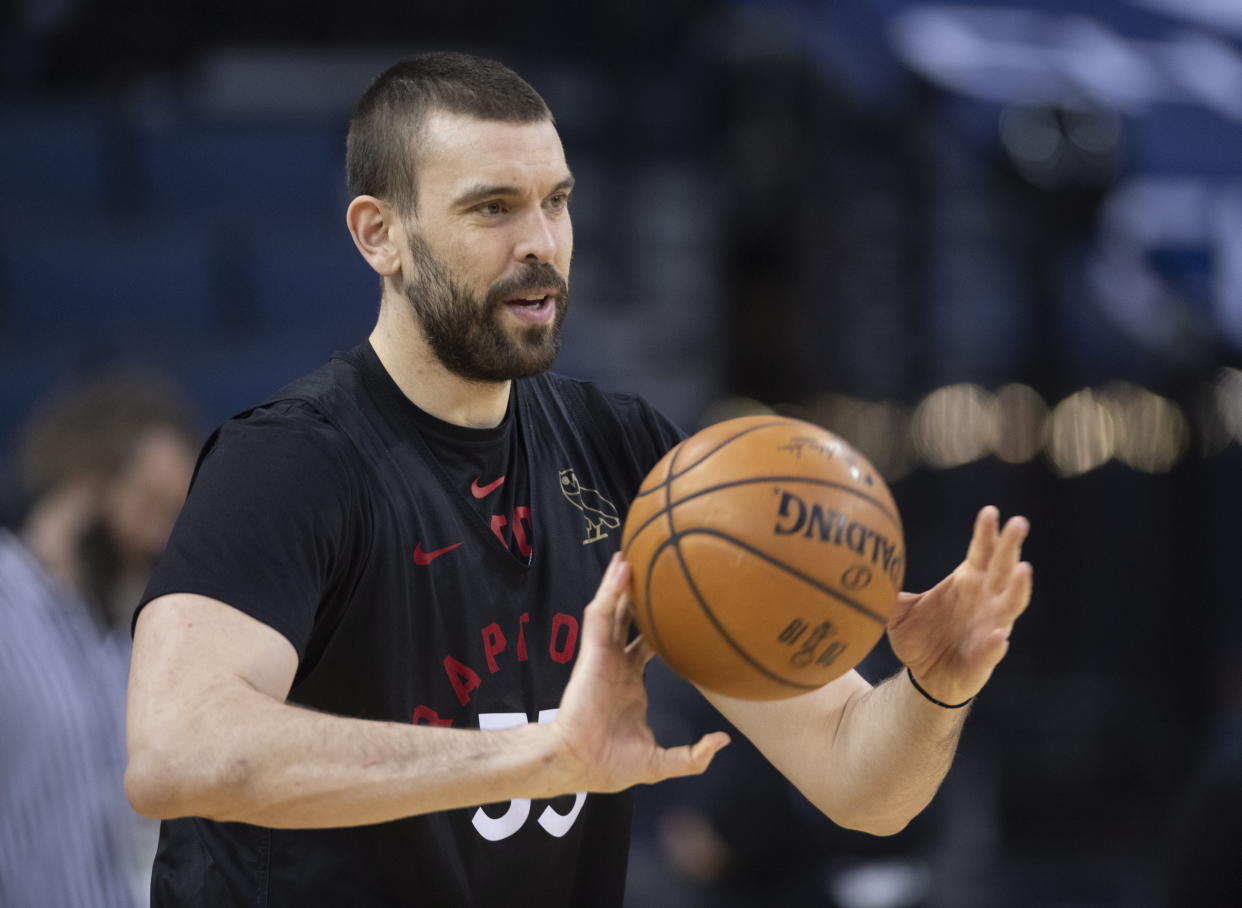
766,556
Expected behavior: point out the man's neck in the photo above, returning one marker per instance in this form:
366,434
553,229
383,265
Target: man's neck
403,350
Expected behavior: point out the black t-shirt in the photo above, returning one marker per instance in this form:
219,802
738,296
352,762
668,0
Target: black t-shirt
484,464
325,514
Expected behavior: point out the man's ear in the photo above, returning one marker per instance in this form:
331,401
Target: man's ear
374,226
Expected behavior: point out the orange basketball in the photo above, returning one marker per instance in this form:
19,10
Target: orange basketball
766,554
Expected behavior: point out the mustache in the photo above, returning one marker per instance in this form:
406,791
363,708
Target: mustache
531,277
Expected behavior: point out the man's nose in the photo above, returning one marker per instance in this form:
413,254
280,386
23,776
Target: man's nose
538,240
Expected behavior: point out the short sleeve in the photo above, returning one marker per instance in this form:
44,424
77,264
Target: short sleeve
266,525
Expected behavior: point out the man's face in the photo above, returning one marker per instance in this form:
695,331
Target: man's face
487,267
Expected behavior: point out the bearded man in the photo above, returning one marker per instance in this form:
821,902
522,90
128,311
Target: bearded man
364,674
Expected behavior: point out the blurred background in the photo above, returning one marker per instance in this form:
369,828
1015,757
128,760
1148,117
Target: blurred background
997,247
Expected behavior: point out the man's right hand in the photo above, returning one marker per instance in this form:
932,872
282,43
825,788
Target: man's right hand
602,727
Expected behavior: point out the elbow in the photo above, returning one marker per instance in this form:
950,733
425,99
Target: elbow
876,826
161,786
151,789
857,818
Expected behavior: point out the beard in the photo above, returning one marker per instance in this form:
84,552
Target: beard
467,334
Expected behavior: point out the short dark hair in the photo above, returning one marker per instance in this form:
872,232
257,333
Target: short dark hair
93,427
384,131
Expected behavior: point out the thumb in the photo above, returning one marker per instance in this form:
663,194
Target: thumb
600,614
689,760
905,602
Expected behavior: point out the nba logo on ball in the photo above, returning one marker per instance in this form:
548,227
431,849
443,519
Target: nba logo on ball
767,555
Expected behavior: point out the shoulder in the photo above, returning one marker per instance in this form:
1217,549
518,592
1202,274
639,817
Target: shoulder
627,407
287,444
289,415
288,427
620,423
301,419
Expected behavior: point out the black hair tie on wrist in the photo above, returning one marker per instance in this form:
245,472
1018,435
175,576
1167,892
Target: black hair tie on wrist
910,675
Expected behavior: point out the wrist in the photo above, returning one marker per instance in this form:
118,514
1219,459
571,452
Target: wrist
931,698
556,770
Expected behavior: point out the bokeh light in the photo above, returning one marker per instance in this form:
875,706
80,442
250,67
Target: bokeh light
1022,418
955,425
1082,434
880,430
1151,434
1229,401
1211,435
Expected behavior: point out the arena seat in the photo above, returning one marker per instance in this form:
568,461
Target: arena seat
54,157
307,276
107,279
243,167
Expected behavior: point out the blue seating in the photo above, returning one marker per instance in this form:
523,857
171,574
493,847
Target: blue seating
53,157
228,377
106,279
242,168
308,276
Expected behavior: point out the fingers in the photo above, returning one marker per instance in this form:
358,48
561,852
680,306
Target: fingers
1005,554
983,540
688,760
612,584
993,648
1016,597
640,651
622,617
1018,591
601,614
905,602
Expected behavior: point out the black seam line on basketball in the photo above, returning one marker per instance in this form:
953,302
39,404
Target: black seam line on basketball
651,622
666,484
827,483
675,541
759,553
672,530
732,438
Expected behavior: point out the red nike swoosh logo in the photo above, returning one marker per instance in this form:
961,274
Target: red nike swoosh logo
425,558
479,491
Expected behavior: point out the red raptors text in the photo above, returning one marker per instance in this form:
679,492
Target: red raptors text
562,643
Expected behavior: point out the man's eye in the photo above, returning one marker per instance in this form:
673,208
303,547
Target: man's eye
560,200
492,208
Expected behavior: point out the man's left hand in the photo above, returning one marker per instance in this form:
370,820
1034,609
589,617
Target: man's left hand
952,636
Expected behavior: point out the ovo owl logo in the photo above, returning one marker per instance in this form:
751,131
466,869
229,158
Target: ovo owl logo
598,512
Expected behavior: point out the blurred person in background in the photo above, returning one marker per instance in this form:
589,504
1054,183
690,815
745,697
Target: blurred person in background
105,467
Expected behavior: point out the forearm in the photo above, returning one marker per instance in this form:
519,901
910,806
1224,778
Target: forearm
247,757
889,756
210,734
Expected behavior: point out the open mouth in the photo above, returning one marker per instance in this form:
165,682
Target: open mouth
529,302
532,307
